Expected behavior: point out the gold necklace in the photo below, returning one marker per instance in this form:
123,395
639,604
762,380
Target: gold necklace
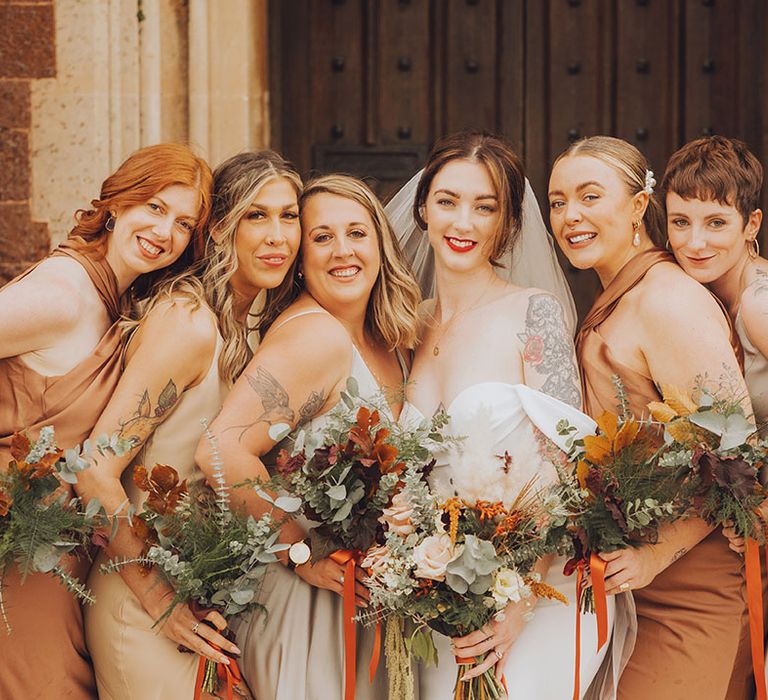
436,344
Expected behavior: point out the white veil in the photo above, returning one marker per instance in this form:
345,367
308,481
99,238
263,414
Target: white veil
532,263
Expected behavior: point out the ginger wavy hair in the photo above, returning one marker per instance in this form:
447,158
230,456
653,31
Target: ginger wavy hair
236,184
139,178
391,316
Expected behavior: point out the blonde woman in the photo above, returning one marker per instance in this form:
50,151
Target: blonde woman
183,355
355,310
652,325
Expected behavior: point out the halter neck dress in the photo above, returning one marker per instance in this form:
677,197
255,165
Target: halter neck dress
690,618
45,655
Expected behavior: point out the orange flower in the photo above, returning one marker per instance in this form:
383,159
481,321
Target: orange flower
544,590
162,486
453,507
5,503
489,510
611,439
508,524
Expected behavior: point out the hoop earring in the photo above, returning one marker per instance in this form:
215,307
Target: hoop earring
636,236
666,245
109,225
753,250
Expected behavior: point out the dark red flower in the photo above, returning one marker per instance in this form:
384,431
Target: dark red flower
286,464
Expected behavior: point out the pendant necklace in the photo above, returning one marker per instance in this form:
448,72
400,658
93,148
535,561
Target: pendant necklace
436,344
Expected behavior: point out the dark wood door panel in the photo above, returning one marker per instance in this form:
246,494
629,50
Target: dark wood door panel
366,86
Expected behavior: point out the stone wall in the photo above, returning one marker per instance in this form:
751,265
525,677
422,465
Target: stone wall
27,53
83,83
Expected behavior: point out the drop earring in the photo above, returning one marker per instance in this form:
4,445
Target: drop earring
636,236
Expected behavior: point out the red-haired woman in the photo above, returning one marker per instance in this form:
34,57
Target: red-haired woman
60,361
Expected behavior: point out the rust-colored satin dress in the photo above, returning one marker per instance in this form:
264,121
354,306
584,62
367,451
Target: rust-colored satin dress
690,618
45,657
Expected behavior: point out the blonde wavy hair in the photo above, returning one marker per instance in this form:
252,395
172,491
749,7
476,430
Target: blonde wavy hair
236,184
391,316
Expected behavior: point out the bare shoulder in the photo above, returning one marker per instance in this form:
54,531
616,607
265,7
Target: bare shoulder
666,294
183,323
316,337
56,292
754,311
533,305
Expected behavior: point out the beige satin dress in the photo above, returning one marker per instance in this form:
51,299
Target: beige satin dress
132,658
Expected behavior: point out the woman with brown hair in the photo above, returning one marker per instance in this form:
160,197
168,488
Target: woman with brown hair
60,361
185,351
651,326
712,190
356,307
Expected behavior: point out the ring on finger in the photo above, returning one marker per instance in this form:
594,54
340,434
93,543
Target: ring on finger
624,586
499,655
195,627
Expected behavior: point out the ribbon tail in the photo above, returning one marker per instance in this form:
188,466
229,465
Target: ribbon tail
597,571
577,656
755,610
200,676
376,653
350,641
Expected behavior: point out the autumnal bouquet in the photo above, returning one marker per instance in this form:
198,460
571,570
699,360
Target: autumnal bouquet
718,454
39,521
213,555
619,494
452,564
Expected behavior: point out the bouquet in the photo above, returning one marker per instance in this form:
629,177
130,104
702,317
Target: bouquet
39,521
347,473
451,564
718,454
214,556
619,494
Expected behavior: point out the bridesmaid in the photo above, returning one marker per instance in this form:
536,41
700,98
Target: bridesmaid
712,188
356,307
60,361
182,357
652,325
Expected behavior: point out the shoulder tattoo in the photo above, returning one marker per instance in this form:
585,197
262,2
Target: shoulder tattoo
548,348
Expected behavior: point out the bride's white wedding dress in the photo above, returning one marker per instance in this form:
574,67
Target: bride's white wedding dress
500,421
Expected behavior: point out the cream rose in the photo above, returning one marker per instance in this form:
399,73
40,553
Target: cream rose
376,559
398,516
432,556
508,586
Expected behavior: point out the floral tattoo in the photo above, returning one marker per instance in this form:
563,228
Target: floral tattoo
548,348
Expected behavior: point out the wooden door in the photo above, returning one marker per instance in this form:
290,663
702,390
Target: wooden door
366,86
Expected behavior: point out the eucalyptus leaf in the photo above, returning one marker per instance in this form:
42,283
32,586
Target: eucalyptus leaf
343,512
337,493
243,597
278,431
263,494
46,558
93,507
353,388
289,504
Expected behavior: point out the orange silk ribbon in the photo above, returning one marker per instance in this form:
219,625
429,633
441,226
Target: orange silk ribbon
597,571
348,559
755,610
226,672
577,665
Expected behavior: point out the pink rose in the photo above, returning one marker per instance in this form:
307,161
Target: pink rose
533,353
432,556
397,517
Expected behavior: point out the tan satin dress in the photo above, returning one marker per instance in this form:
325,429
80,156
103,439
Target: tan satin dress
134,660
45,656
691,617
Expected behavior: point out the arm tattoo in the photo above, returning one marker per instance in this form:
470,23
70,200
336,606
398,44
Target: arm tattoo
145,419
549,349
312,406
761,283
274,402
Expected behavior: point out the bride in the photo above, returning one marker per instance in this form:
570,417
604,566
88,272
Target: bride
499,358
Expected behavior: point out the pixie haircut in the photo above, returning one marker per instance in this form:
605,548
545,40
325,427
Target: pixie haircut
716,168
506,173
